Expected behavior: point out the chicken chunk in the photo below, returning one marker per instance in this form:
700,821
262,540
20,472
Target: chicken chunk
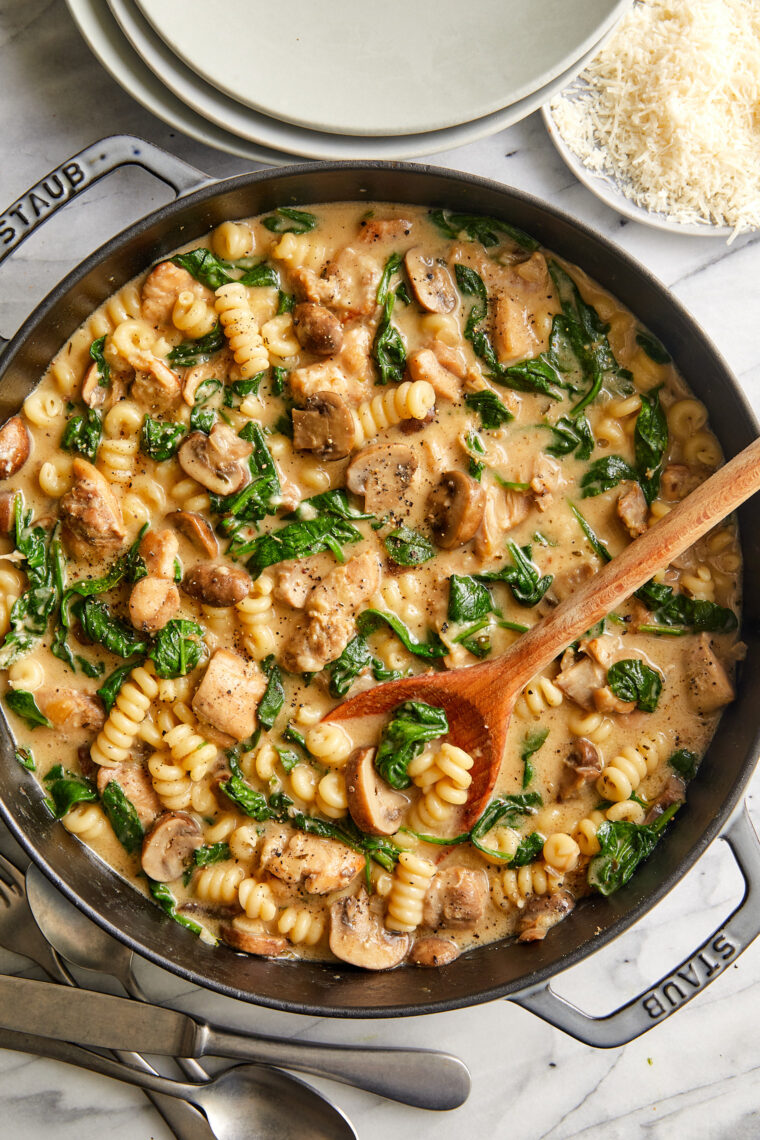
384,229
504,510
348,282
677,481
547,479
708,683
542,913
156,386
580,681
161,288
294,581
319,865
425,365
347,374
71,710
229,693
330,609
456,897
632,510
135,782
159,550
91,515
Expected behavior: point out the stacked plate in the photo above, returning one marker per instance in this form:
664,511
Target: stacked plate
345,80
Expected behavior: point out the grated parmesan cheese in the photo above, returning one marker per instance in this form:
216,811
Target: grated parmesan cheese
670,109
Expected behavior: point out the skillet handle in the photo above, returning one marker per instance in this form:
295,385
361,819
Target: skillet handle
79,172
683,983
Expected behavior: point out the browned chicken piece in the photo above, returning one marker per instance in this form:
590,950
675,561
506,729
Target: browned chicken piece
161,288
542,913
546,480
372,230
504,510
294,582
606,649
347,374
357,935
153,602
606,702
580,681
330,610
14,446
71,709
90,512
319,865
677,481
707,681
674,792
159,550
135,782
425,365
514,327
157,386
456,897
454,360
229,693
582,766
348,282
632,510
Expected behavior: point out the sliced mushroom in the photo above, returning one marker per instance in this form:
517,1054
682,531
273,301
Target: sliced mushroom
152,603
262,945
455,509
374,806
433,952
159,550
542,913
582,766
358,936
7,521
197,530
14,446
674,792
216,461
318,330
216,584
325,426
93,392
385,473
169,845
431,282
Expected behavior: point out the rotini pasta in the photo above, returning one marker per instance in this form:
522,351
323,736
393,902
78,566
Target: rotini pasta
192,315
115,739
232,240
625,771
412,400
241,329
411,879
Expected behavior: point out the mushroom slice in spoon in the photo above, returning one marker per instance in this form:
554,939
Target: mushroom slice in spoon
374,805
358,936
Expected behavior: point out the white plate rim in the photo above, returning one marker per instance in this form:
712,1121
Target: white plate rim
362,129
605,189
214,106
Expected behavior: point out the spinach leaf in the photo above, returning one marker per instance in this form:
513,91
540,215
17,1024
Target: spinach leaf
178,648
650,443
237,391
475,444
260,276
671,609
205,267
388,348
469,600
594,541
623,847
122,817
251,803
300,221
274,694
159,440
211,853
606,473
130,566
523,578
654,348
538,374
572,434
332,502
104,368
411,725
354,659
109,690
100,625
82,434
286,303
44,565
370,620
260,497
298,540
25,759
288,758
507,810
66,789
24,705
392,265
407,547
278,380
489,407
632,680
480,228
532,741
166,900
192,352
529,849
685,763
202,419
475,641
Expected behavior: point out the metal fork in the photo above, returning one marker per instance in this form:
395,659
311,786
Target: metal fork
20,933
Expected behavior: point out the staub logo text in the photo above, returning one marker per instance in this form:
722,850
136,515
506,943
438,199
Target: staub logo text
26,212
681,985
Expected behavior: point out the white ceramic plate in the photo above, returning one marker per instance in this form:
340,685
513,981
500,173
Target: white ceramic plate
609,191
251,125
393,69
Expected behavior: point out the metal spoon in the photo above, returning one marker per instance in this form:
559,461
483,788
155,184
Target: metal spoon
420,1077
243,1103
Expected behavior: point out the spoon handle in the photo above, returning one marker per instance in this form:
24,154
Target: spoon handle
698,513
420,1077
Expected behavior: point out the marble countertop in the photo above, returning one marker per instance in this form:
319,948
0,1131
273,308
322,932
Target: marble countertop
698,1074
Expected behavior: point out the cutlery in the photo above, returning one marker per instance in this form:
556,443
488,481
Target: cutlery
422,1078
478,699
20,933
284,1108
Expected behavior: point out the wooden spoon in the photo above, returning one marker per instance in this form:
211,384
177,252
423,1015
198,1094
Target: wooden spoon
478,699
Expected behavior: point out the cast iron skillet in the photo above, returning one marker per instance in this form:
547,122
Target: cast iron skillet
517,971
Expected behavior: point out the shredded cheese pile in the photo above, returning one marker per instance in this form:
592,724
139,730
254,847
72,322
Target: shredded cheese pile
670,109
